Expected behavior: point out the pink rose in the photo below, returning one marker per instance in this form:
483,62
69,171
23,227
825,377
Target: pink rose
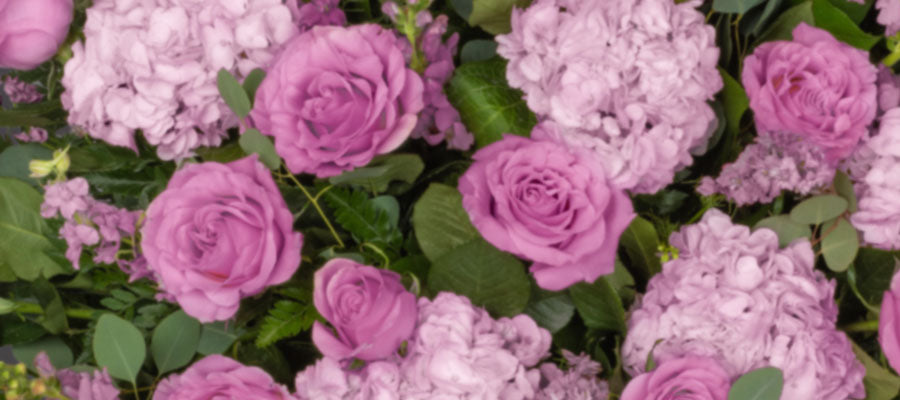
689,378
218,233
813,86
218,377
368,307
550,204
32,30
336,97
889,324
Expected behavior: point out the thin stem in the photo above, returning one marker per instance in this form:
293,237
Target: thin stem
861,326
315,203
891,59
377,250
77,313
134,385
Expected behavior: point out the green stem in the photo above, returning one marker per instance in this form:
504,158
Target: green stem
862,326
892,58
377,250
315,203
77,313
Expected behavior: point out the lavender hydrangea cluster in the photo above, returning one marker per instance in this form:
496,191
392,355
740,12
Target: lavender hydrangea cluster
458,351
877,173
628,79
735,297
776,162
90,222
889,16
152,65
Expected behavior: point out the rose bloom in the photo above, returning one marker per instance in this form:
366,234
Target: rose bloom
889,324
369,308
32,30
219,377
550,204
336,97
218,233
814,86
689,378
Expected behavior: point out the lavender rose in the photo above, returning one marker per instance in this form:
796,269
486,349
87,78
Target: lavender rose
218,233
369,308
889,324
813,86
547,203
218,377
336,97
689,378
32,30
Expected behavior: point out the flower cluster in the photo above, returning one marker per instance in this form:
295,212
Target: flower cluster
34,135
775,162
889,16
458,351
19,91
878,185
152,66
735,297
78,385
88,221
316,12
628,79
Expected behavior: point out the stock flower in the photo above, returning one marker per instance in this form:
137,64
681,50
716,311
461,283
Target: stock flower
218,377
889,324
32,30
689,378
369,308
218,233
548,203
889,16
814,86
78,385
737,298
20,92
628,79
336,97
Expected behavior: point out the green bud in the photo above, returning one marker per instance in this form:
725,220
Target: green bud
20,369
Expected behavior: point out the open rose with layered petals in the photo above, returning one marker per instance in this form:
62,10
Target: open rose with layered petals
219,377
689,378
336,97
814,86
218,233
889,324
548,203
369,308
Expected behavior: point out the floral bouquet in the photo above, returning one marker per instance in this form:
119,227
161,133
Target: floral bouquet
450,199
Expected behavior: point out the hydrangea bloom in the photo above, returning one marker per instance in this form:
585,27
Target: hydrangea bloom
20,92
152,65
579,381
775,162
889,16
629,79
878,185
735,297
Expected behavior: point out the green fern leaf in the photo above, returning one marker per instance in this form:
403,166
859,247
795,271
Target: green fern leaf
356,213
286,319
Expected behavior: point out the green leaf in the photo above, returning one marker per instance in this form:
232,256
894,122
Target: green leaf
832,19
59,353
494,15
252,82
478,50
357,214
650,364
22,240
100,157
873,269
735,102
174,342
489,277
641,244
552,312
233,93
14,160
20,118
119,347
622,282
818,209
487,105
6,306
844,187
857,12
599,305
16,331
880,383
383,170
763,19
759,384
390,206
54,317
784,25
734,6
223,154
839,247
440,222
286,319
786,228
216,337
252,141
462,7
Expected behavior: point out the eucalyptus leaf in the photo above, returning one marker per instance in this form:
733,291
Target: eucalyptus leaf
59,353
233,93
440,222
487,105
599,305
252,82
786,228
839,247
216,337
494,15
844,188
252,141
15,159
818,209
759,384
119,347
175,341
462,7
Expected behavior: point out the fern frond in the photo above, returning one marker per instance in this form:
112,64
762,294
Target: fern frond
287,318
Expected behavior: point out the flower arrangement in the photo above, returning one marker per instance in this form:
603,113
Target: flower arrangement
450,199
